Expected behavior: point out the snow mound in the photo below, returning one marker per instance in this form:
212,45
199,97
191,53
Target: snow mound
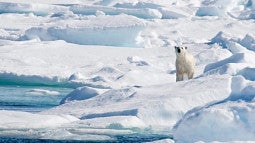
96,81
80,93
242,89
231,121
240,58
110,73
137,61
228,120
119,30
76,76
211,55
236,58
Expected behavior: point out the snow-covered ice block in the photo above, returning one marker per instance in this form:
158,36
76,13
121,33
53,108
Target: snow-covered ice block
248,73
173,13
210,11
145,13
119,30
215,7
23,79
167,13
25,120
249,42
137,5
235,47
62,2
115,122
221,38
36,8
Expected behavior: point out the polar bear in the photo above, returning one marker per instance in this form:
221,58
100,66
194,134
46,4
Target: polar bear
185,63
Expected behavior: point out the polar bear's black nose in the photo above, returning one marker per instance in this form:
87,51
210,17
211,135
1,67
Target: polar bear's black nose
179,50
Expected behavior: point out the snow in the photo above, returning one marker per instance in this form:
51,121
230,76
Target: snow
118,59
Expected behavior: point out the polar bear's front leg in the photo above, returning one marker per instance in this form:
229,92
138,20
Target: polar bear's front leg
190,75
179,77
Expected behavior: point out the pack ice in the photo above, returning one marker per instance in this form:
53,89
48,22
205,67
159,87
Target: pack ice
119,59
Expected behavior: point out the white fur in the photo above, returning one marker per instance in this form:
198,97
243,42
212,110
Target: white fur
185,64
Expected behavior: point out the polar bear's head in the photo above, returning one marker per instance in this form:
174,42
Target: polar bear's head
180,50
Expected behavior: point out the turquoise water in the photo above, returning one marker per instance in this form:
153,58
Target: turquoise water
31,98
133,138
38,98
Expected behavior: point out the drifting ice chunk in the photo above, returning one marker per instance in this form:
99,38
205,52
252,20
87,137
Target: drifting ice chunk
42,92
